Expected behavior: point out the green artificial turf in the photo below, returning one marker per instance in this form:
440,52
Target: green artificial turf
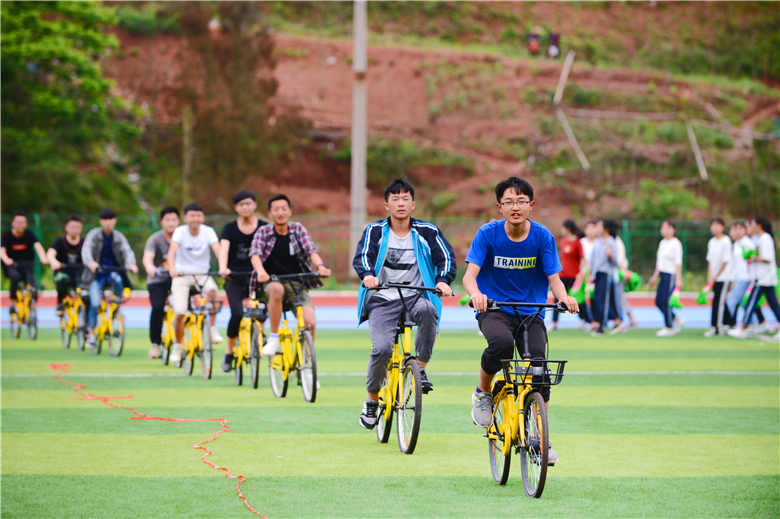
644,427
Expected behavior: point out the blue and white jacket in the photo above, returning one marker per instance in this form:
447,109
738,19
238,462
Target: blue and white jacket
435,258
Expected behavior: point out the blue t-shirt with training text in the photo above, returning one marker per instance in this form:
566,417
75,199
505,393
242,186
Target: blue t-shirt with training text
514,271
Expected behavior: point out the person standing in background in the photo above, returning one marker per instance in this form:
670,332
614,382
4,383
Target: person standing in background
572,261
603,264
668,268
718,273
740,270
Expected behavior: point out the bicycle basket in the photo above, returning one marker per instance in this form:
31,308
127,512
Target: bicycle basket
540,372
260,312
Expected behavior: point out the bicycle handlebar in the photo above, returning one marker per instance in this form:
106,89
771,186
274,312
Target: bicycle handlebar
298,276
493,305
400,286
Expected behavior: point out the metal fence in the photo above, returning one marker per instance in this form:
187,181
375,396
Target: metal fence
331,233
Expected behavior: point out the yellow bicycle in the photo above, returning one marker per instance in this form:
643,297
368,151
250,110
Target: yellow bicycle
111,323
168,334
297,349
519,411
250,340
197,339
73,321
401,392
24,313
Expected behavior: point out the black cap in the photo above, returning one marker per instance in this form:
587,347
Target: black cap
243,194
107,214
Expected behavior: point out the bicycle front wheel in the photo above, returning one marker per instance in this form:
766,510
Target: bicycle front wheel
409,404
81,328
497,436
255,343
32,322
65,335
308,369
276,374
16,326
116,339
207,354
166,342
238,371
533,456
384,420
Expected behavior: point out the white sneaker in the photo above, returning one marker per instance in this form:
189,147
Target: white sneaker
711,332
739,333
678,324
666,332
216,338
176,354
761,328
776,337
552,456
618,329
271,347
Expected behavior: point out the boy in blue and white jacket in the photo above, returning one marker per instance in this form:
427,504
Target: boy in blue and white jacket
400,249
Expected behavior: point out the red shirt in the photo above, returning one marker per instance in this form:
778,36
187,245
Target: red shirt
571,257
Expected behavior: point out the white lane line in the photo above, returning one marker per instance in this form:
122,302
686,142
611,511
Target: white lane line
439,373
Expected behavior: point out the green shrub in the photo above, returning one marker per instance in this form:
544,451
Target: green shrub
146,21
656,201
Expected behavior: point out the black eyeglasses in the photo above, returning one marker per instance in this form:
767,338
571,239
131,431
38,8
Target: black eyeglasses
514,203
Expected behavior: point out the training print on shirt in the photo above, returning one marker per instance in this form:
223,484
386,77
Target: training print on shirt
502,262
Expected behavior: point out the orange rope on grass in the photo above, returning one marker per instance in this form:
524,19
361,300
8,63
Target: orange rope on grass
61,369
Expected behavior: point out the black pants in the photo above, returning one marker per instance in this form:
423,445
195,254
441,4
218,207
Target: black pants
500,328
720,315
22,271
158,293
771,298
237,290
65,282
568,283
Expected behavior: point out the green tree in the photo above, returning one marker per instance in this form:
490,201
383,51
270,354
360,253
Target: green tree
66,139
655,201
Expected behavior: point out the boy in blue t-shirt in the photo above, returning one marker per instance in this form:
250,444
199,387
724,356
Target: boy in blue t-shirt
512,259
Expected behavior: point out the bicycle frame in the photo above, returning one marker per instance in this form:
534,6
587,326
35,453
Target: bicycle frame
72,304
170,334
106,322
291,343
193,320
22,300
401,350
244,346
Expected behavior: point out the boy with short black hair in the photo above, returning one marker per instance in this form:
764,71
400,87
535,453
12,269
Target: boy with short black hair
17,252
511,259
400,249
718,274
158,281
65,259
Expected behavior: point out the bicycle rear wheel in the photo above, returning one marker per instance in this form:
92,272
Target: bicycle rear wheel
409,405
499,462
308,367
238,371
533,457
276,374
32,322
116,339
384,420
255,342
207,354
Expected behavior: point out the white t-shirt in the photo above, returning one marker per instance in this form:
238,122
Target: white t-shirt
192,256
739,266
718,253
587,248
766,273
400,266
669,256
622,259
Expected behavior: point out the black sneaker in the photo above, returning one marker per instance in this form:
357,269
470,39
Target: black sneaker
368,415
427,385
227,364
